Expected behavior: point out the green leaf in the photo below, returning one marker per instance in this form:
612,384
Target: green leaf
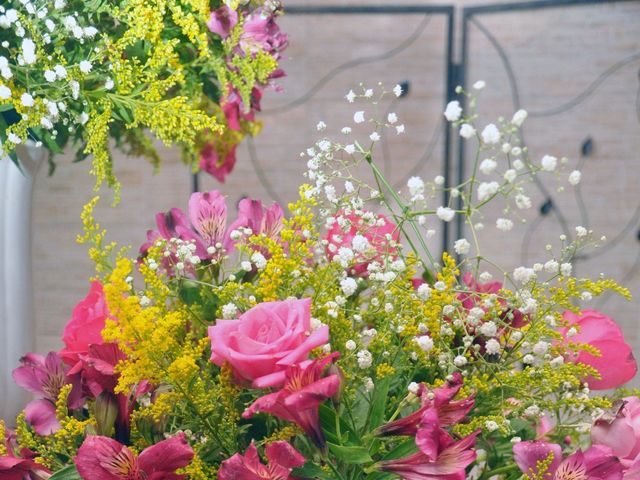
311,470
67,473
379,403
190,292
350,454
405,448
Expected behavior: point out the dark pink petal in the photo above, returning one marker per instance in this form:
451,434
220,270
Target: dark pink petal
102,458
223,20
282,453
41,415
166,456
528,454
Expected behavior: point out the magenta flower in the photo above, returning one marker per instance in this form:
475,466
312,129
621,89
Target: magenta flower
216,165
261,33
359,241
21,466
440,400
223,20
45,377
616,364
262,221
281,456
86,325
265,340
622,434
102,458
476,289
439,456
305,389
208,215
596,463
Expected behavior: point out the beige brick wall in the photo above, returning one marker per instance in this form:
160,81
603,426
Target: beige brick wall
556,54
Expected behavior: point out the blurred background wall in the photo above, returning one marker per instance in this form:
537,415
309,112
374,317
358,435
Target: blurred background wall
575,69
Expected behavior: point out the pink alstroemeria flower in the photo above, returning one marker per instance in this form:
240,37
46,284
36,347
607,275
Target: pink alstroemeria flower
102,458
305,389
439,457
204,226
45,377
261,33
262,221
596,463
616,364
281,456
440,400
223,20
22,466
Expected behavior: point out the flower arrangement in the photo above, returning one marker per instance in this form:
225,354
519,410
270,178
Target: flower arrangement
191,76
314,344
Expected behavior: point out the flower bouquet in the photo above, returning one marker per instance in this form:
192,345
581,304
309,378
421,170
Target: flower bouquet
191,76
330,343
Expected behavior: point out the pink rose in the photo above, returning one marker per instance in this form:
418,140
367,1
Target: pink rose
616,363
265,340
86,325
356,242
623,434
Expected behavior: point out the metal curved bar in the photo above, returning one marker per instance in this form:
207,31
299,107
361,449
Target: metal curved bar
349,65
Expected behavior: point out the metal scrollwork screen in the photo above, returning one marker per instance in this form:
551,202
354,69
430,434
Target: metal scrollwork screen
576,70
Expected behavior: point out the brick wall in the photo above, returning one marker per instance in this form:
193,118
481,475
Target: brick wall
555,55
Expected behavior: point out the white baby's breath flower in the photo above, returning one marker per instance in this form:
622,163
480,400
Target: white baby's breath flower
479,85
490,134
350,149
358,117
492,346
424,291
229,311
397,90
416,186
504,224
50,75
510,175
445,214
467,131
351,96
400,129
27,100
574,177
549,163
439,180
453,111
519,117
392,118
487,166
348,286
522,201
462,246
375,136
85,66
5,92
350,345
486,190
365,359
460,361
29,51
425,343
523,275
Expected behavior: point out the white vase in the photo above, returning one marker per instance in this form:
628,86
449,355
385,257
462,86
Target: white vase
17,322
